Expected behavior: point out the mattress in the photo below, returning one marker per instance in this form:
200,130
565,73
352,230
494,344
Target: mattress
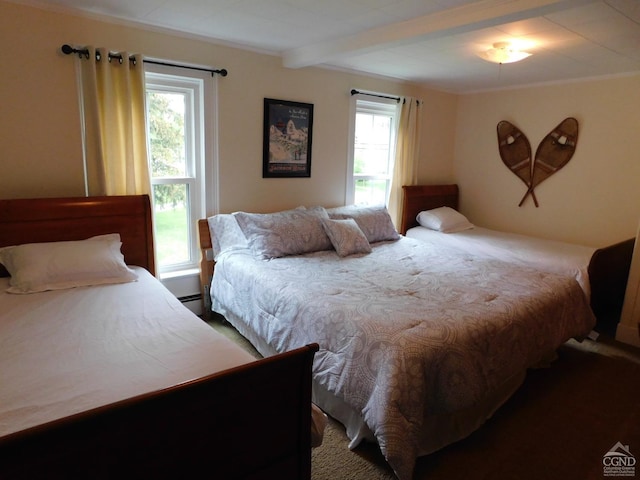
66,351
548,255
408,333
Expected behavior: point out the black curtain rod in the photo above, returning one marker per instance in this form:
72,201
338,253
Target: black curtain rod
68,50
356,92
397,99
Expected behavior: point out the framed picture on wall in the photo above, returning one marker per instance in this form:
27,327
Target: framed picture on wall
288,129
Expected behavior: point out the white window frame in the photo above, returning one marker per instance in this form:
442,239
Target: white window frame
375,103
201,162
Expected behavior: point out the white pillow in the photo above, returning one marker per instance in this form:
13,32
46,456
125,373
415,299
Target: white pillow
346,236
36,267
444,219
226,234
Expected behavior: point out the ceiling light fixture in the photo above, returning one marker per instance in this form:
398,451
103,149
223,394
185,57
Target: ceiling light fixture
503,52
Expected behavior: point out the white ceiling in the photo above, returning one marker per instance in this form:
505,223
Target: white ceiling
430,42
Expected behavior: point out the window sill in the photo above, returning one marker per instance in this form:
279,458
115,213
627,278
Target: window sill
190,272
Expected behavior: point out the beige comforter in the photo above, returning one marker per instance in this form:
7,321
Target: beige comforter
406,332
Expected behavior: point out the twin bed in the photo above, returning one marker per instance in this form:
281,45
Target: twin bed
601,272
419,344
116,378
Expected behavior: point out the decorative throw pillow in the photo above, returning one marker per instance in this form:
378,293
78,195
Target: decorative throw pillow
226,234
36,267
375,222
444,219
291,232
346,236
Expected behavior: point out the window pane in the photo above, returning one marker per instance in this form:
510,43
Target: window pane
171,224
371,192
167,133
372,144
373,152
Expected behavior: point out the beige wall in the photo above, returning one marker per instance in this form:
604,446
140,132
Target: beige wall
594,199
40,146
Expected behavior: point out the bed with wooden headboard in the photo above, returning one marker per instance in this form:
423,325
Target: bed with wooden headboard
373,300
247,419
608,269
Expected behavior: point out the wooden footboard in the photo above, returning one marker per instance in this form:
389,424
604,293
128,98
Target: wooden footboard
252,421
608,275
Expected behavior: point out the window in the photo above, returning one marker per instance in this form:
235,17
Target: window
374,130
175,124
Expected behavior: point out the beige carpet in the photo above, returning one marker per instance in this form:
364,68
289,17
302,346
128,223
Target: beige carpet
558,425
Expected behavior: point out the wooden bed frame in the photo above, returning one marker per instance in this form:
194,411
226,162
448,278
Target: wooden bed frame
212,424
608,268
207,265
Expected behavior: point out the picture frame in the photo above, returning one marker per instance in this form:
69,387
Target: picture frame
287,138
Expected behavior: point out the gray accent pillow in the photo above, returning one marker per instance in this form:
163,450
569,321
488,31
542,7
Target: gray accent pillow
375,222
346,236
291,232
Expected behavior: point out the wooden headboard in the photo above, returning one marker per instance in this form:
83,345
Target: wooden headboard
76,218
417,198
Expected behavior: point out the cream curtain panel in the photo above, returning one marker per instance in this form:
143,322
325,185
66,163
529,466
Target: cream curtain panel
405,169
112,96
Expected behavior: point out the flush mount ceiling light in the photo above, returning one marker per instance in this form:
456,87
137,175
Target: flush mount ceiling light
503,52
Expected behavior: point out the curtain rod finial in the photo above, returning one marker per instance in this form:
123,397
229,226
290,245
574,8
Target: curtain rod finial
68,50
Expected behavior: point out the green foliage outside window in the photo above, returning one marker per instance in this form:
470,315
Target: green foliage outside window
167,148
